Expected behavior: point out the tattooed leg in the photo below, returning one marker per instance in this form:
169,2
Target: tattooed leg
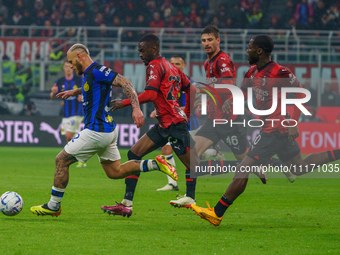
116,170
62,163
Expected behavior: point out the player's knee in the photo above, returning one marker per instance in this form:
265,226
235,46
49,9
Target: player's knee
166,150
240,157
69,136
242,173
112,169
114,173
59,159
61,162
56,160
131,156
114,176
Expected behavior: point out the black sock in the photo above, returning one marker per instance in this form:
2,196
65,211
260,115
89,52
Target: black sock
333,155
222,206
131,181
191,184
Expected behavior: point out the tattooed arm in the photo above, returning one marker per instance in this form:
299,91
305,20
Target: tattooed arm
130,92
137,115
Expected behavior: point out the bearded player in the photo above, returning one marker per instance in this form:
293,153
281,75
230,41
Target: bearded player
275,137
219,68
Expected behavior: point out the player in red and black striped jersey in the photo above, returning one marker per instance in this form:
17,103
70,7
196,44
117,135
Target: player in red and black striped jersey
219,68
163,83
274,137
263,80
167,152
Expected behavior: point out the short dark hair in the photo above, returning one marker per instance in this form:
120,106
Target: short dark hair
178,56
264,42
150,39
211,29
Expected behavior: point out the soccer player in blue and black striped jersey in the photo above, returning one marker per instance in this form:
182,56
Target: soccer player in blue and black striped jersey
72,107
100,134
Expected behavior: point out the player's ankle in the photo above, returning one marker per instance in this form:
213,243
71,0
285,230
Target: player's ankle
148,165
53,206
127,202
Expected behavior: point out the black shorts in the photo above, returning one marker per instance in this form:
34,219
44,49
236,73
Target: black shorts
267,145
177,134
235,137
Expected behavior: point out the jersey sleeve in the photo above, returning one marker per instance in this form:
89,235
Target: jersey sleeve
286,78
104,75
154,74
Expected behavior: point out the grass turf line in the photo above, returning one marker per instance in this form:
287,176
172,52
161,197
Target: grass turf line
276,218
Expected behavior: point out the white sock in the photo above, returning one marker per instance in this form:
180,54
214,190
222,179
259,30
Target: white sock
56,197
148,165
209,153
171,159
127,202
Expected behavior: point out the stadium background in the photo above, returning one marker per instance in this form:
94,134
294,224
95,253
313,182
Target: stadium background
35,38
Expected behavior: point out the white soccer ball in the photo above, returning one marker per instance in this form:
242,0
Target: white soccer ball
11,203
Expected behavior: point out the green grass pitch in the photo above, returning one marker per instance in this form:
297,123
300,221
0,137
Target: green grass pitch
276,218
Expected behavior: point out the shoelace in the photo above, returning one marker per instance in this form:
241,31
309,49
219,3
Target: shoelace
167,161
209,208
122,205
178,196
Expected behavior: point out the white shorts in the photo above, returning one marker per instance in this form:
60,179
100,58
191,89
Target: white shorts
87,143
71,124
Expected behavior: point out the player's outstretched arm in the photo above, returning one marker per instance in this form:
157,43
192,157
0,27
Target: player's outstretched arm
54,91
69,93
137,114
121,81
